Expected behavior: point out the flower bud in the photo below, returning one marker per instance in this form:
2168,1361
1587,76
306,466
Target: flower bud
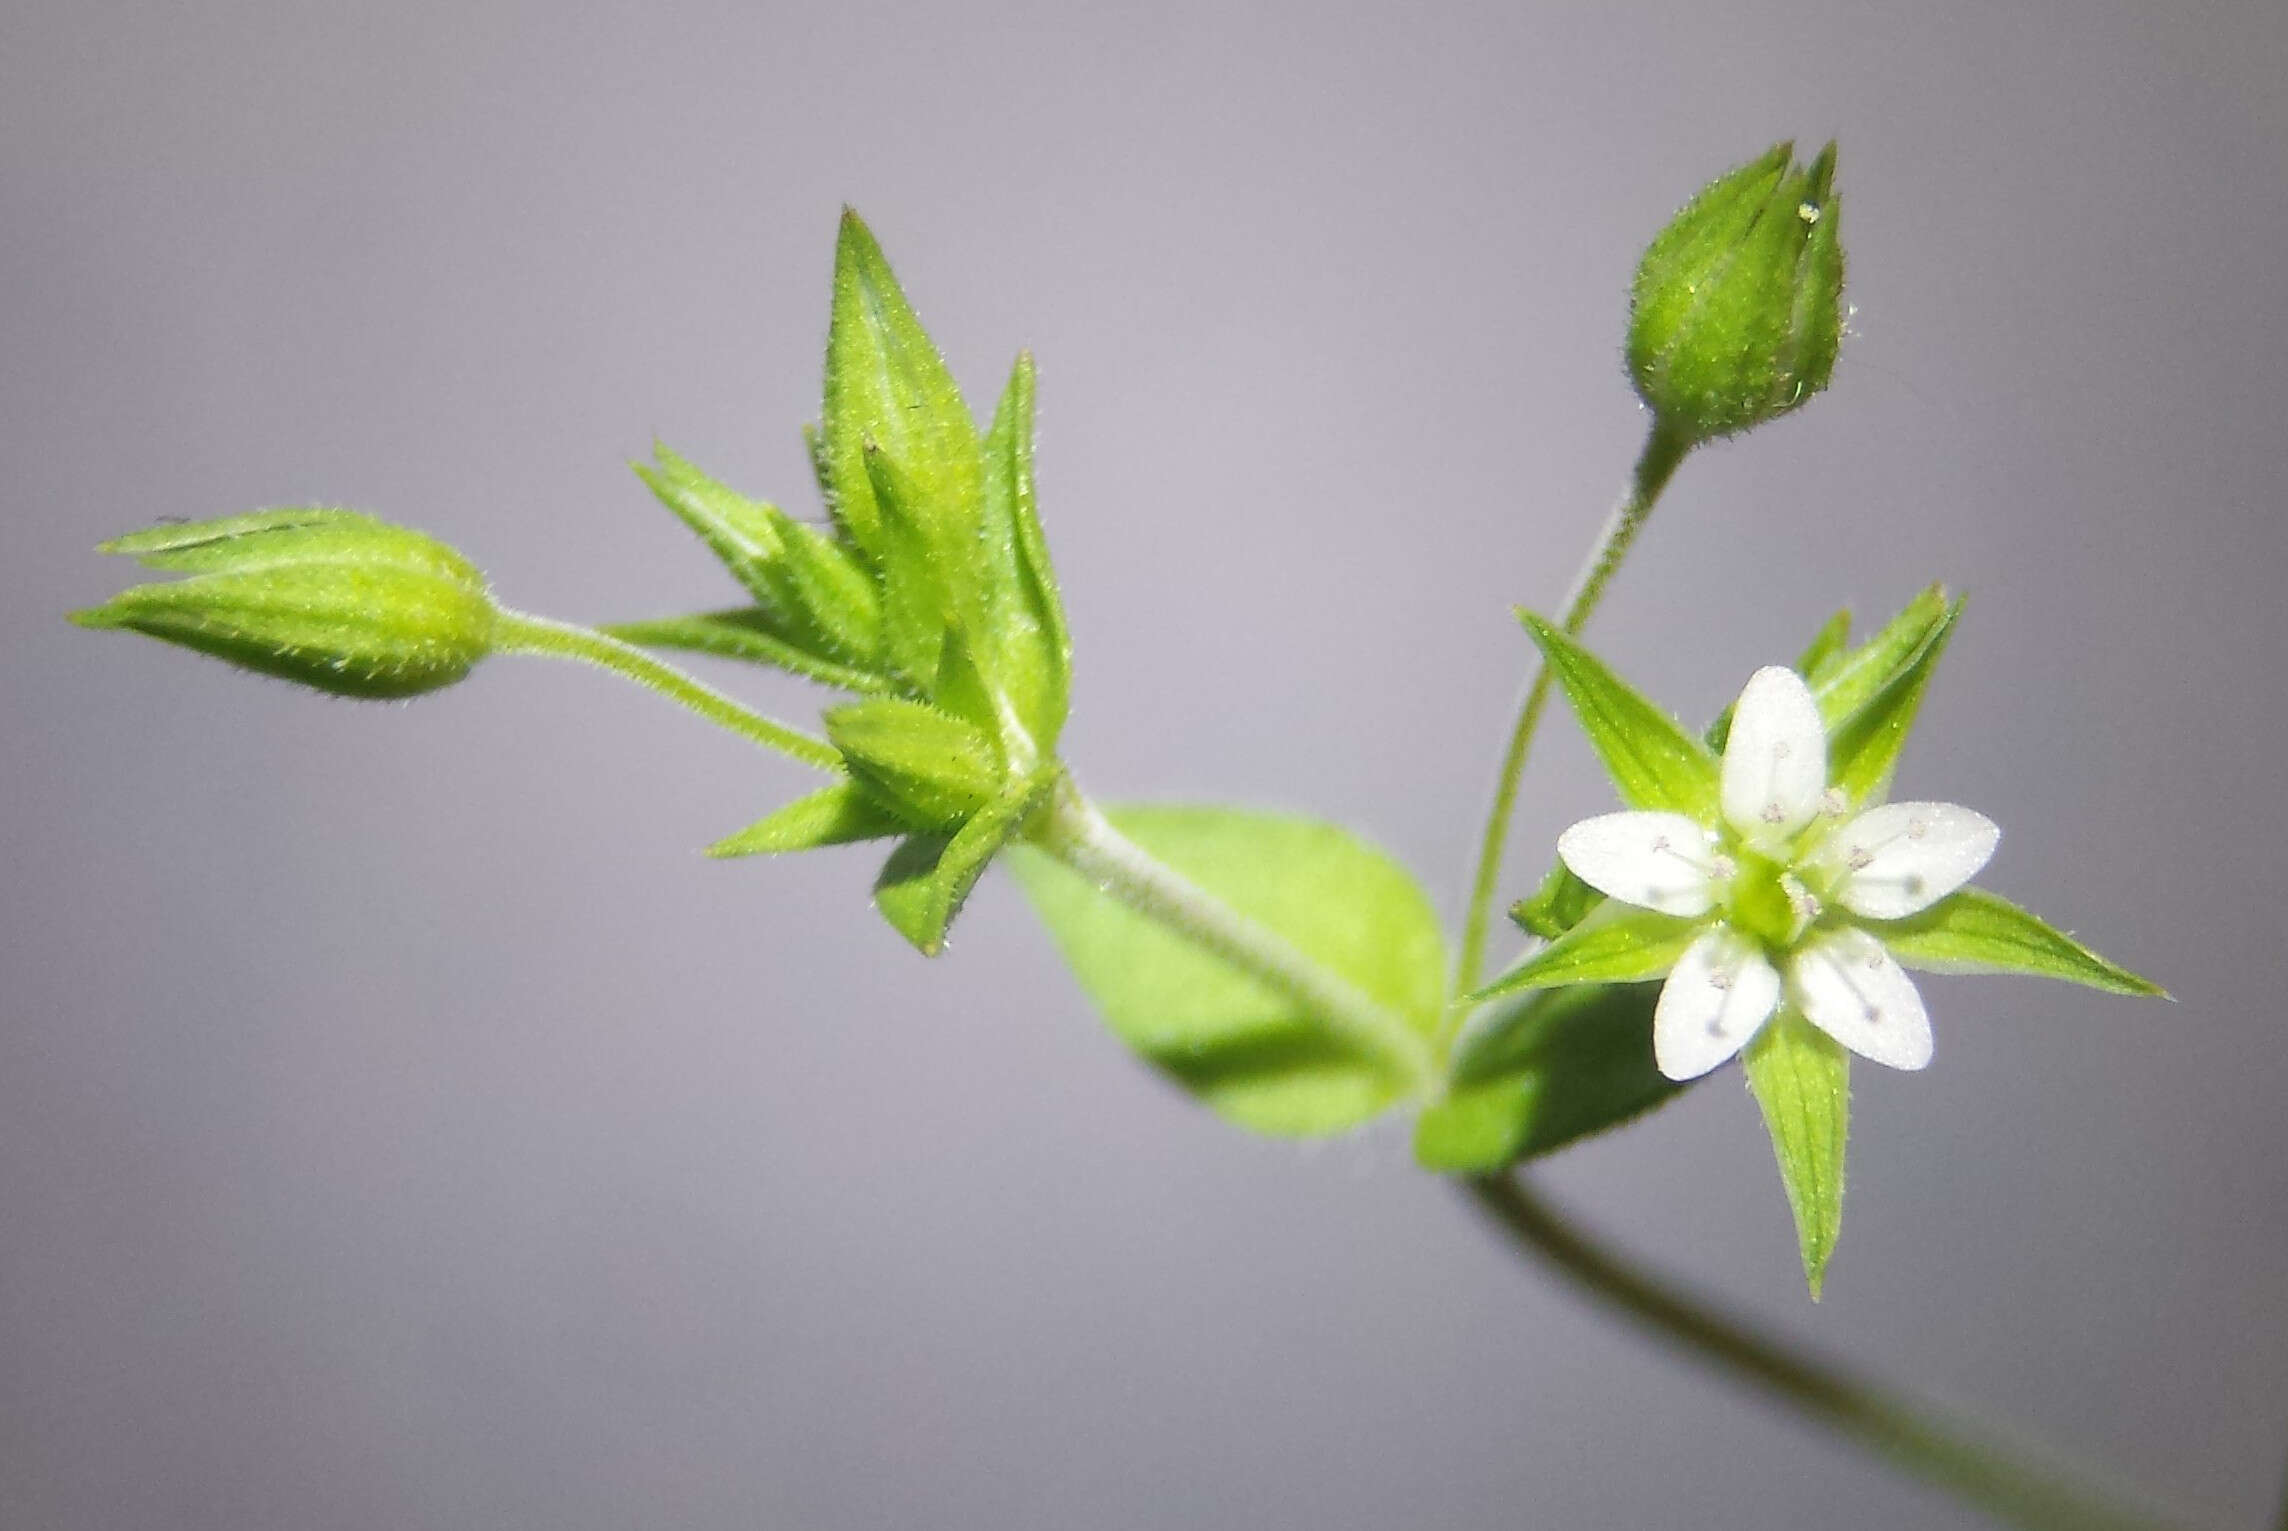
1738,304
330,598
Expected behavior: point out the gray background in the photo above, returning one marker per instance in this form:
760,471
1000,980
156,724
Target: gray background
400,1125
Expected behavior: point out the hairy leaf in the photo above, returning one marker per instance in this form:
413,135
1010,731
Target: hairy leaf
1250,1053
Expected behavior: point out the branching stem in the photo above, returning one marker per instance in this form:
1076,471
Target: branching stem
1073,831
1663,450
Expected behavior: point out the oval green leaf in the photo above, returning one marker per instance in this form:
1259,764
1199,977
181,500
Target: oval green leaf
1249,1053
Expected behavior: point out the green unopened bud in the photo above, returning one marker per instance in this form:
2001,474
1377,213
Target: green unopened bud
1738,304
330,598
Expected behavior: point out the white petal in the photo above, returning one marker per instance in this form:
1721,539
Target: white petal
1775,760
1661,861
1717,996
1851,989
1904,857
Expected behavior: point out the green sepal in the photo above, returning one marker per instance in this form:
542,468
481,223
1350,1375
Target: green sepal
751,634
929,877
1653,762
1250,1053
1825,652
1031,651
887,384
1973,931
962,689
736,529
1561,902
917,593
817,596
842,814
1619,944
332,599
931,769
1802,1080
1863,749
1853,678
1547,1069
818,577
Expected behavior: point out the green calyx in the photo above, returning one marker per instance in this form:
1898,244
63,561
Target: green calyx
1737,310
927,594
331,599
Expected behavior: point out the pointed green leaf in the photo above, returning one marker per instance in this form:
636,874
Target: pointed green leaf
886,384
1973,931
1561,902
1802,1079
1544,1070
817,595
1855,677
1618,944
929,877
1248,1052
838,815
748,633
932,769
1030,652
1652,760
736,529
1863,749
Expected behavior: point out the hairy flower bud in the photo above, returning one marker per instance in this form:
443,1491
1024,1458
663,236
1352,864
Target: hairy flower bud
1737,308
330,598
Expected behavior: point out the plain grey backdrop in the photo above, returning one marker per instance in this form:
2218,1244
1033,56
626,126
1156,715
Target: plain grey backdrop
402,1126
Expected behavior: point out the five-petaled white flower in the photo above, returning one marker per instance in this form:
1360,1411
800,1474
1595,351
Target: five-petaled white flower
1780,881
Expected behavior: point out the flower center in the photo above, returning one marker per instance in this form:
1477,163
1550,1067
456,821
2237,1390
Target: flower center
1761,903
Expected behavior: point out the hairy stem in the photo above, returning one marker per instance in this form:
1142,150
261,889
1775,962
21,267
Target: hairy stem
1911,1438
1073,831
516,632
1656,464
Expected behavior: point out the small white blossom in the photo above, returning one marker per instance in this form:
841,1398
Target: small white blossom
1781,879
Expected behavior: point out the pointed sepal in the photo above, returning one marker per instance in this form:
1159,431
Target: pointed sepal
1973,931
1802,1081
931,769
929,877
841,814
1617,944
1653,762
887,384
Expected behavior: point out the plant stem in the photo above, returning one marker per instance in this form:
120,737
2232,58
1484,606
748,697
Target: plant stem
1909,1437
1656,464
1073,831
517,632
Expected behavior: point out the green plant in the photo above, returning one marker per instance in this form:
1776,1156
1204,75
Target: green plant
1292,977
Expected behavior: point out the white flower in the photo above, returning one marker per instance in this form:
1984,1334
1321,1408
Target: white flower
1782,880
